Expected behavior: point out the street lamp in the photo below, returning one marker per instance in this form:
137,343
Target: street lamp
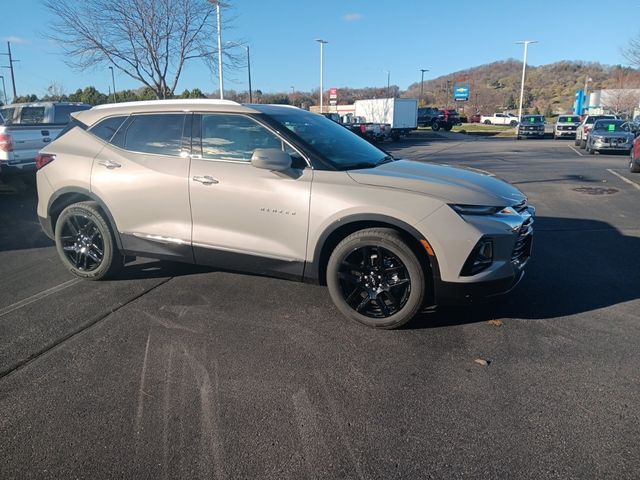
422,81
113,82
236,44
4,90
322,43
524,67
388,80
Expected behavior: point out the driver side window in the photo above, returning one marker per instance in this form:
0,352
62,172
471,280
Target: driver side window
234,137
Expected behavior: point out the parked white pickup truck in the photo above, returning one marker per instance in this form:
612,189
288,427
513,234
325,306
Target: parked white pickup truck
26,128
500,119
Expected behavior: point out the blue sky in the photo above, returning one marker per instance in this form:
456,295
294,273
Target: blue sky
366,38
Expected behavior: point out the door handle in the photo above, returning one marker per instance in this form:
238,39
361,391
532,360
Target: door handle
110,164
205,179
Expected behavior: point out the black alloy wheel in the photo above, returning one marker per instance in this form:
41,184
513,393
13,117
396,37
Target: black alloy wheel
82,242
374,282
375,278
85,242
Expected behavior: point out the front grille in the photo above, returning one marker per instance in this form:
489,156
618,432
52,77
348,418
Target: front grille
522,248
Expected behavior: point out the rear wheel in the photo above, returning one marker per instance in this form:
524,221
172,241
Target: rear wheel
583,144
85,242
435,126
513,123
487,122
576,142
448,128
376,279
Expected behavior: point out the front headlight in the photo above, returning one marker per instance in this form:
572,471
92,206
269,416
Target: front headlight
598,137
480,209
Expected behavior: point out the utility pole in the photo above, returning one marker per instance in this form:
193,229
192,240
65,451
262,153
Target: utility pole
388,82
249,70
10,67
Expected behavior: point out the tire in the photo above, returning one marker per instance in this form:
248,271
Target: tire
576,142
376,279
583,144
589,150
448,128
435,126
633,165
487,122
85,242
518,137
513,123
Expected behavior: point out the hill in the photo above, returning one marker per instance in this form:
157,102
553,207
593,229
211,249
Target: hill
496,86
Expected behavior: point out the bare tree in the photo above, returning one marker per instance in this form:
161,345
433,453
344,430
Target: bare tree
148,40
632,51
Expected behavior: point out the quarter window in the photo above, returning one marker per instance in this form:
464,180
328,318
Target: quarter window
32,115
62,113
234,137
105,129
160,134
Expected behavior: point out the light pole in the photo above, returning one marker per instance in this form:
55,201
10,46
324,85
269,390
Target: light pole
322,43
586,86
388,81
113,82
4,90
422,82
236,44
524,68
219,21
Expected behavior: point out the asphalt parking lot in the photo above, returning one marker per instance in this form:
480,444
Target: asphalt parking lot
173,371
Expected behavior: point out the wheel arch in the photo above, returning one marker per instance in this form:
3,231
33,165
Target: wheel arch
70,195
315,271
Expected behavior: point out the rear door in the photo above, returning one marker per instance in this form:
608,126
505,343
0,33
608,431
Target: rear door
141,175
246,218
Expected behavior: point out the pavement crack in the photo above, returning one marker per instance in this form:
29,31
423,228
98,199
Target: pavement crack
78,331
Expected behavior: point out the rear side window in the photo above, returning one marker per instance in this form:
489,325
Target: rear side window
105,129
160,134
31,115
7,114
62,112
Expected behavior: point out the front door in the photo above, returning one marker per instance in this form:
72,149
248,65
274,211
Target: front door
246,218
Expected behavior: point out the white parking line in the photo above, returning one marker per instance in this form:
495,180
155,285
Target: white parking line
624,179
38,296
577,151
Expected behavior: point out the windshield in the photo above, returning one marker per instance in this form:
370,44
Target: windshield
571,119
610,126
343,149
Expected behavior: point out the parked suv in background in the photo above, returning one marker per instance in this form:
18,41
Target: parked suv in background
582,132
437,119
610,135
275,190
531,126
566,126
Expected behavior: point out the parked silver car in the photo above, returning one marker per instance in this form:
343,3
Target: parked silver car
276,190
610,135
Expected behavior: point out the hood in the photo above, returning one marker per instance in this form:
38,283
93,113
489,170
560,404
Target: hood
452,185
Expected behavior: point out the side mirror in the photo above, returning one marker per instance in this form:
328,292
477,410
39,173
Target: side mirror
272,159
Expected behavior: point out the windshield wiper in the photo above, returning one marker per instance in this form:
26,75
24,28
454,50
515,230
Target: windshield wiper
384,160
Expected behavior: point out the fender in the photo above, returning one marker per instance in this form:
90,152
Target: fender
313,270
92,196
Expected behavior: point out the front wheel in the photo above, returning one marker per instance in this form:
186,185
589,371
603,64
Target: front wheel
435,126
513,123
85,242
487,122
633,166
375,278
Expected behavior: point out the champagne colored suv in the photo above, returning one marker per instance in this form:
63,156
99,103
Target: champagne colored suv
275,190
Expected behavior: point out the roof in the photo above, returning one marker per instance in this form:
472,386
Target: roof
89,117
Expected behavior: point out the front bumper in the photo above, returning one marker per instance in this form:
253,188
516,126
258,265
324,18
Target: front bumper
452,293
531,133
610,145
565,133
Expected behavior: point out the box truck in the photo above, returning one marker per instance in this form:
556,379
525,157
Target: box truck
401,114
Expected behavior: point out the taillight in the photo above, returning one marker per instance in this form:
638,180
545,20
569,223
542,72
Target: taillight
363,128
586,129
6,142
43,159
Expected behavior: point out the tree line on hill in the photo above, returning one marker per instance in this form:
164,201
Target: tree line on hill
549,89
